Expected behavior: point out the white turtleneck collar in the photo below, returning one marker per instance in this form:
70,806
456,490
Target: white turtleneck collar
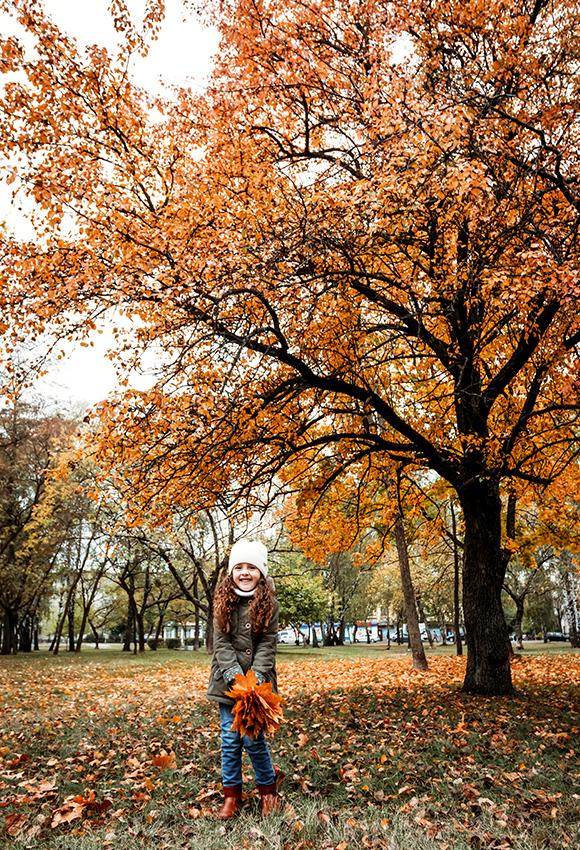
245,594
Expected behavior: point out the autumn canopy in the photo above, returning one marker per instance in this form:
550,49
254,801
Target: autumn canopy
356,251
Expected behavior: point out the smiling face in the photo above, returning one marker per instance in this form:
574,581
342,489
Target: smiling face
246,577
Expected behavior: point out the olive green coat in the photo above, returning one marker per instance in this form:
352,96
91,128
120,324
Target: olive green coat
241,647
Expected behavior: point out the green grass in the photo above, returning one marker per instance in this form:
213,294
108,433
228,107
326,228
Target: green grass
394,763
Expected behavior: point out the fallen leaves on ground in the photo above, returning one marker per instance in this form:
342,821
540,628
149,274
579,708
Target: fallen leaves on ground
88,745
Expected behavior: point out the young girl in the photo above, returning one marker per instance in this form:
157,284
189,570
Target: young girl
245,637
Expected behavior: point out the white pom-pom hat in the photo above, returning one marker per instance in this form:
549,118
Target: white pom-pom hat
246,551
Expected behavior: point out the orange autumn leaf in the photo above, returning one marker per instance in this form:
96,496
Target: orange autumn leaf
257,708
75,806
165,760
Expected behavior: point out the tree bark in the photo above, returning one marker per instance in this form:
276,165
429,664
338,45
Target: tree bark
209,631
488,656
87,605
140,630
456,580
95,633
9,633
129,629
417,651
25,634
71,622
518,619
569,583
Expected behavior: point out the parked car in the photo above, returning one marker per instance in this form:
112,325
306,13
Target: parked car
289,636
554,636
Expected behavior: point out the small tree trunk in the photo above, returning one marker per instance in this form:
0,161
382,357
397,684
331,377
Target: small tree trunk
129,630
209,632
95,633
443,627
68,604
87,607
140,629
456,580
518,621
417,651
82,627
196,631
488,648
569,582
71,622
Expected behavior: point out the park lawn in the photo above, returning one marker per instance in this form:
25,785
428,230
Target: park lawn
107,751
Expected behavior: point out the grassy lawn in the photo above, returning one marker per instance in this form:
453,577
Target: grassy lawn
105,750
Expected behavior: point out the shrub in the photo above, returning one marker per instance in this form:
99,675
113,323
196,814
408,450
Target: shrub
173,643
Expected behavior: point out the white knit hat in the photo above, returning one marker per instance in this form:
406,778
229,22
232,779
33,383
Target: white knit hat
246,551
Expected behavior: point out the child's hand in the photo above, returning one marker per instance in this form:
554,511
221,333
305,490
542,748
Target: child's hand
231,673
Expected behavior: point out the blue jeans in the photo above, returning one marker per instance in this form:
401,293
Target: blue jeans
232,745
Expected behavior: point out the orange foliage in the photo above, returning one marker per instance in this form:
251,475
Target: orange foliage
257,708
360,241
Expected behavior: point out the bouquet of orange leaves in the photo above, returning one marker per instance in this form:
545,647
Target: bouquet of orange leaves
257,708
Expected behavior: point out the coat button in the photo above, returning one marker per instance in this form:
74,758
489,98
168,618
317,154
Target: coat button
248,651
247,625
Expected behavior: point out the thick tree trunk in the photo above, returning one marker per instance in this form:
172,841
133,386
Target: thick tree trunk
9,633
417,651
25,634
488,651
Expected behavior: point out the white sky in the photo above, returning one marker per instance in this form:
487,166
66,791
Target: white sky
181,55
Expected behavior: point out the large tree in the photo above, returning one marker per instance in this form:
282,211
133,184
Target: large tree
363,236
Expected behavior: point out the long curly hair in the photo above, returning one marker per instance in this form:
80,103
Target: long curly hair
261,606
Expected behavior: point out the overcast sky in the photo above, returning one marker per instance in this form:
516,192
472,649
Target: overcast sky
182,55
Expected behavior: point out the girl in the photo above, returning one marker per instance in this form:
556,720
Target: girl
245,637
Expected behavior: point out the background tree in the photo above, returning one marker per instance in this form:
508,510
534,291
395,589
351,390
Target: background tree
33,521
302,596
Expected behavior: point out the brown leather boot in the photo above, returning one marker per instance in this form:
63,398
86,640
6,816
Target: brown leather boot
270,800
231,804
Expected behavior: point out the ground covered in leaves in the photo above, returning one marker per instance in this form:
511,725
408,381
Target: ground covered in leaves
111,752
